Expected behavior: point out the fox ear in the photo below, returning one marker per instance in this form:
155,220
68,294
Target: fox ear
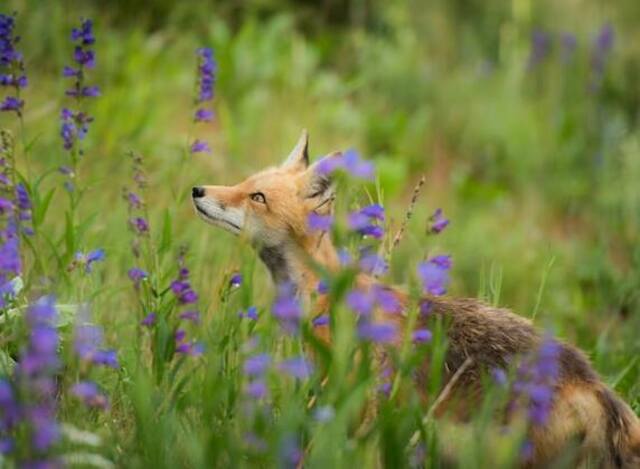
299,156
319,181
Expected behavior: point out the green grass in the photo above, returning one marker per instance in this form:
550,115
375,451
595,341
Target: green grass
537,174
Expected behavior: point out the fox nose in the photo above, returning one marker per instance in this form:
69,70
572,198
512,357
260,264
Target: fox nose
197,192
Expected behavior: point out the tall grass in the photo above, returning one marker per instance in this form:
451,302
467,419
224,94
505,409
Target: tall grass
530,145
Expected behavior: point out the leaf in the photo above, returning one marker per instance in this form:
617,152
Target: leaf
6,363
42,206
166,235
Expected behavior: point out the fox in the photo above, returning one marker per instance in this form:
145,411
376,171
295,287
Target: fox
271,208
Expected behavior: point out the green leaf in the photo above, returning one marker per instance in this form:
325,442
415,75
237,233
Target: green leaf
166,235
41,206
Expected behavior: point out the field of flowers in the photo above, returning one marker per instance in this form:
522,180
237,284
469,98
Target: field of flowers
492,151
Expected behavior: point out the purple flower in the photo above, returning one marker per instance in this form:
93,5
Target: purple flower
438,222
344,256
361,302
84,33
90,258
137,275
182,290
386,299
252,313
536,379
350,161
203,115
286,308
149,320
236,280
12,103
499,376
200,146
89,393
323,287
257,389
12,60
45,429
317,222
377,332
257,365
371,263
140,225
357,167
194,349
296,367
193,316
374,211
88,346
321,320
207,67
540,48
134,200
422,335
435,274
75,125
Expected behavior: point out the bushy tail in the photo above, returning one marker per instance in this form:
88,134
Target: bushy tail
623,431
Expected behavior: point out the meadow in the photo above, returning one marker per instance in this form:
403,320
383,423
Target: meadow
132,334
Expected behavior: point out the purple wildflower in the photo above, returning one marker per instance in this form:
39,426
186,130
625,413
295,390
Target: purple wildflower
252,313
344,256
364,221
257,365
296,367
139,225
422,335
193,316
321,320
350,161
286,308
207,68
435,274
372,263
317,222
361,302
203,115
12,70
236,280
540,48
536,379
323,287
87,260
89,393
386,299
438,222
88,346
149,320
257,389
75,124
194,349
182,290
377,332
499,376
200,146
137,275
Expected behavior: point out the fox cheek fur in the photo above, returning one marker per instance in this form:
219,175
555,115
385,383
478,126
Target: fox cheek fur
271,210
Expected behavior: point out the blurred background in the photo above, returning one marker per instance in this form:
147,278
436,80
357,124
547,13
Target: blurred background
522,115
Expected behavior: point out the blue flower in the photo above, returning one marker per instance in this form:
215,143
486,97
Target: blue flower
149,320
236,280
137,275
435,274
203,115
286,308
89,393
317,222
350,161
422,335
438,222
90,258
257,365
383,333
296,367
199,146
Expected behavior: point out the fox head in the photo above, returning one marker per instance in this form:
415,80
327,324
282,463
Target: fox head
271,208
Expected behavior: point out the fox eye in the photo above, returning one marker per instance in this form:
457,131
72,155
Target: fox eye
258,197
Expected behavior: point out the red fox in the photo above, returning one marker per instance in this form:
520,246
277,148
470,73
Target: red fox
271,209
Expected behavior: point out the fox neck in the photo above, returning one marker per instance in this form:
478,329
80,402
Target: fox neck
291,262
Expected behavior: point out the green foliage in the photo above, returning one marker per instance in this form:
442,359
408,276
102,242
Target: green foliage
537,170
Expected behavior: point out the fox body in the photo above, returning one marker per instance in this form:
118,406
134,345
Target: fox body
271,209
